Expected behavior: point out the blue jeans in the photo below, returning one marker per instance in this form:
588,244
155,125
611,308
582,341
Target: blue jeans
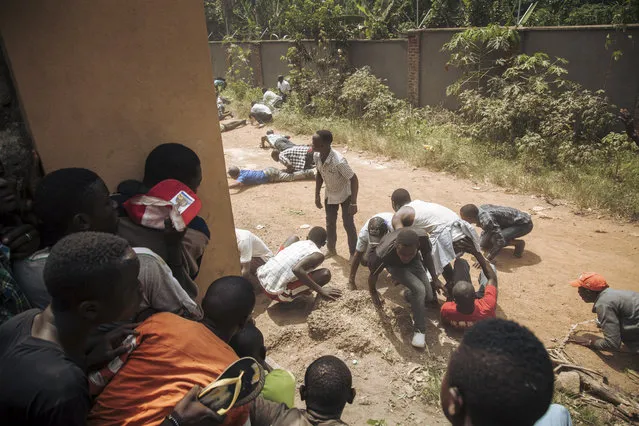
413,276
557,415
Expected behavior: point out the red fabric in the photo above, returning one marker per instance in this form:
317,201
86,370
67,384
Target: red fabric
484,308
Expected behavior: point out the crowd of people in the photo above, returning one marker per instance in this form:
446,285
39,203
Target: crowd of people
100,324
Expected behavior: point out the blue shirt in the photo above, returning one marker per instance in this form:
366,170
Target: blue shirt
252,177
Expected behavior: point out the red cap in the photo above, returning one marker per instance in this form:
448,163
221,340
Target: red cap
168,199
591,281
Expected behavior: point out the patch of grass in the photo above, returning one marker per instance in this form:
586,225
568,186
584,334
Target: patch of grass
581,413
437,143
433,385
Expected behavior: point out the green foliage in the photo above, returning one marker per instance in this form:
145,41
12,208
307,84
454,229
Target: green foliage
364,96
480,53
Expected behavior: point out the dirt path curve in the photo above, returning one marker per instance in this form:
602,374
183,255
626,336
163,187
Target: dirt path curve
394,381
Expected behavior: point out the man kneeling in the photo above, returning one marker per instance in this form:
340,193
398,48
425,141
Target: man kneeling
292,271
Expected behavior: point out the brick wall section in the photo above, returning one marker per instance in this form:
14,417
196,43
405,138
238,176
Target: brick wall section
256,63
413,67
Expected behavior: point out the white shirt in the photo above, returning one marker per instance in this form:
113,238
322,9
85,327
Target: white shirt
270,97
363,237
275,274
284,87
257,108
251,246
337,176
432,217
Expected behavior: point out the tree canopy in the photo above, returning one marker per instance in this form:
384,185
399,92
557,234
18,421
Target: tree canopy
377,19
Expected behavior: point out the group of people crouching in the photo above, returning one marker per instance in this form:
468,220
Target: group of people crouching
100,324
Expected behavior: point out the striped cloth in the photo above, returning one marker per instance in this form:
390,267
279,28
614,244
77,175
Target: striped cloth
337,176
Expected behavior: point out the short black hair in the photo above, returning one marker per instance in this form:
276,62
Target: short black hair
228,301
463,292
60,196
469,210
328,383
503,374
234,171
325,136
400,197
317,234
407,237
171,161
275,155
264,89
249,341
82,266
377,226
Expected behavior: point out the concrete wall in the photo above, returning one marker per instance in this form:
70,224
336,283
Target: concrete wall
386,58
584,47
103,82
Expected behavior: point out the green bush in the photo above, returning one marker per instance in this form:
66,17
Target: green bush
364,96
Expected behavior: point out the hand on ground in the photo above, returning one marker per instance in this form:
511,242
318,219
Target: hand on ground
331,293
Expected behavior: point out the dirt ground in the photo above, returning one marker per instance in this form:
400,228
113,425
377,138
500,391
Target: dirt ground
394,381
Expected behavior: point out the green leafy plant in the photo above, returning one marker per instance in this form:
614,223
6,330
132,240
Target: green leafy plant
365,96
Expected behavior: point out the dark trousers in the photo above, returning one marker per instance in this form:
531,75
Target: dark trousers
509,234
462,273
331,225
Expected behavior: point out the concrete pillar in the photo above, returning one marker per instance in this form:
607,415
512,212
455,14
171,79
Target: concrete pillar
256,63
101,83
414,57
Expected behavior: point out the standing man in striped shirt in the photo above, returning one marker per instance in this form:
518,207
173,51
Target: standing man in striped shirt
342,187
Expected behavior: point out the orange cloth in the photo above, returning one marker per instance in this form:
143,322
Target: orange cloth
173,355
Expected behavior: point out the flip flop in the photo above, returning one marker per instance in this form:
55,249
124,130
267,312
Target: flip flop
239,384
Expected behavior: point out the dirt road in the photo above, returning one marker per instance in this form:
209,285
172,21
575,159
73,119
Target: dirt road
394,381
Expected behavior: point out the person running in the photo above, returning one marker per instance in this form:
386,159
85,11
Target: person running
261,113
253,253
93,279
501,226
467,306
276,141
246,177
406,254
617,314
293,270
75,200
327,388
295,159
499,375
284,87
442,224
342,187
172,355
379,225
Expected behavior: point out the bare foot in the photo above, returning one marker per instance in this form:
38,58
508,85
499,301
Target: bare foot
330,253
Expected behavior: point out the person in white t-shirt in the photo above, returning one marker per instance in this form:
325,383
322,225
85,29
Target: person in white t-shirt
253,253
271,98
284,87
381,224
261,113
294,270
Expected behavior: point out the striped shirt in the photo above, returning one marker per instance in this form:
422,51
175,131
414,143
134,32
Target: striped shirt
295,157
337,176
275,274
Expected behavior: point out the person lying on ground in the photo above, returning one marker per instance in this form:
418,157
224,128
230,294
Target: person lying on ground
253,253
341,190
293,270
443,226
276,141
499,375
261,113
93,279
279,384
295,159
617,314
284,87
406,254
230,125
74,200
246,177
467,306
178,162
221,106
378,225
327,388
173,354
501,226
